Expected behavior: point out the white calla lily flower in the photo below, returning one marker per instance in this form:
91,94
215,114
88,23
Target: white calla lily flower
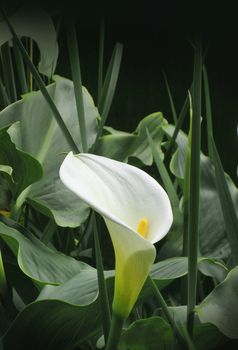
136,210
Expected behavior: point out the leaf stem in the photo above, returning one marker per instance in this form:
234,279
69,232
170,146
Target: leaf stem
76,75
193,220
103,295
167,313
115,332
101,57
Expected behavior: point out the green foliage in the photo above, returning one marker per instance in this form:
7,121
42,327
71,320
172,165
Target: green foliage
219,307
40,28
56,264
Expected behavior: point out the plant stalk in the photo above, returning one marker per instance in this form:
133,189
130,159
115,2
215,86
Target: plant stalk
115,332
76,75
103,295
194,192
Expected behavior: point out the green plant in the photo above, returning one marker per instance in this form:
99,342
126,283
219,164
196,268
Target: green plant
57,261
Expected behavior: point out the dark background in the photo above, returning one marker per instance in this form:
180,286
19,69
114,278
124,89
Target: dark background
157,36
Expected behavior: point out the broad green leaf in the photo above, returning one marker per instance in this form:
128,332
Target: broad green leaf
220,306
205,336
213,237
150,334
53,324
166,271
228,208
22,169
40,136
155,333
36,24
37,261
62,317
129,146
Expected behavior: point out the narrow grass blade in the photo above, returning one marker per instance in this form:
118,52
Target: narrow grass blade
3,281
31,57
109,87
179,124
103,296
3,95
101,59
20,68
193,222
8,72
228,210
186,191
173,110
208,111
186,182
168,315
42,87
163,173
76,75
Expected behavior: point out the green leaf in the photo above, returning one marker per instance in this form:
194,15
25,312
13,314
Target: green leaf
213,236
169,187
53,324
108,89
150,334
40,136
220,306
166,271
37,261
228,208
22,169
155,333
126,147
62,317
35,23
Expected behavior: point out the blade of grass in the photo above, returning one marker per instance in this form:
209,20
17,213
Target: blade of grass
20,68
108,89
103,295
42,87
3,281
186,190
208,111
4,98
8,72
162,303
193,220
186,182
76,75
179,124
100,61
173,110
31,57
163,172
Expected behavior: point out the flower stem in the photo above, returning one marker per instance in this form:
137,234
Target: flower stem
115,332
169,315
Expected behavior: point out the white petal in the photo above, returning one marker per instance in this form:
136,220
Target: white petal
134,257
118,191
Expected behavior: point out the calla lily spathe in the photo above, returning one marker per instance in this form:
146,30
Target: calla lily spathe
136,210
